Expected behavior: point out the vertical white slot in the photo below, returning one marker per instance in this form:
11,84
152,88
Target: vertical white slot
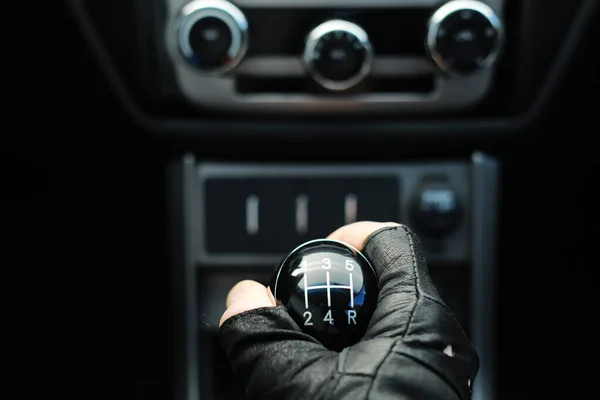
305,289
302,214
252,203
328,290
350,208
351,292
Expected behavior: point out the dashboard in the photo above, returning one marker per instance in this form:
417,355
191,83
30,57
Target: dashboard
252,67
286,119
307,57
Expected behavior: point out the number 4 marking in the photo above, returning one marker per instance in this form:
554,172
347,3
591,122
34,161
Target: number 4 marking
328,317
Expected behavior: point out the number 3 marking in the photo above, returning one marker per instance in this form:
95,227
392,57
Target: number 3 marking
326,263
308,316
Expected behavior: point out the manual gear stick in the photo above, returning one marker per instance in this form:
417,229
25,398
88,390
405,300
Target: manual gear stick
329,289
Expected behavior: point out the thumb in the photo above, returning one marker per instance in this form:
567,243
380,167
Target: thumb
267,350
245,296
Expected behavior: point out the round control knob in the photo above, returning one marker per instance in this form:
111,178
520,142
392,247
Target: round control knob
213,35
436,210
338,54
330,290
464,36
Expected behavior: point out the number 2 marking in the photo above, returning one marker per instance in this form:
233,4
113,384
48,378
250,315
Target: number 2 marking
308,316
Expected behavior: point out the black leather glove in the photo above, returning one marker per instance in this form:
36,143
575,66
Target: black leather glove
414,347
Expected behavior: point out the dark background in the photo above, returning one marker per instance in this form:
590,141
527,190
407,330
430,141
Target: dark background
82,219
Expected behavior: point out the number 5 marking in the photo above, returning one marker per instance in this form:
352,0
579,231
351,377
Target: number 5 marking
349,265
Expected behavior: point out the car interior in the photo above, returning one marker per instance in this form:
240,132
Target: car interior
163,150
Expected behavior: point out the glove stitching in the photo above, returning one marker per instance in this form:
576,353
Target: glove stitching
342,360
438,302
414,265
372,384
333,387
376,233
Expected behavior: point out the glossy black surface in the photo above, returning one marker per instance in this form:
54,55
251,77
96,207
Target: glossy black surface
210,38
340,56
329,289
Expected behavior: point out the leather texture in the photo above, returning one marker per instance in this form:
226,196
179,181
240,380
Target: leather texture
414,347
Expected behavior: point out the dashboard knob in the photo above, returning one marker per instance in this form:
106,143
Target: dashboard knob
436,210
213,35
464,36
338,54
330,290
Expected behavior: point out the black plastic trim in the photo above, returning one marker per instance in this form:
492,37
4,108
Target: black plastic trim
241,128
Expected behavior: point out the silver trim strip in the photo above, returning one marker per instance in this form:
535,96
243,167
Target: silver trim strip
183,188
275,66
485,192
341,3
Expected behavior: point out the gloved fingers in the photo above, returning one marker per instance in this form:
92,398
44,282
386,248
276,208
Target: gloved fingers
400,264
268,351
411,311
356,233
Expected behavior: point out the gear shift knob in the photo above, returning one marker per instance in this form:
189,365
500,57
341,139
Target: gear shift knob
330,290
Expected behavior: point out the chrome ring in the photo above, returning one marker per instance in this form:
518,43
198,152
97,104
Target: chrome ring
317,34
225,11
458,5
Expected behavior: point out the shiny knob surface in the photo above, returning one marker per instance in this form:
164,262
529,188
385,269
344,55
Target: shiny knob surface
213,35
436,210
464,36
338,54
329,289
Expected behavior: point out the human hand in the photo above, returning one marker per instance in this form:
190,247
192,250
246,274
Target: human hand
413,348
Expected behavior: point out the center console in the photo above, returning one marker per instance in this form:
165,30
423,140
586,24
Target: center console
452,70
334,56
236,221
